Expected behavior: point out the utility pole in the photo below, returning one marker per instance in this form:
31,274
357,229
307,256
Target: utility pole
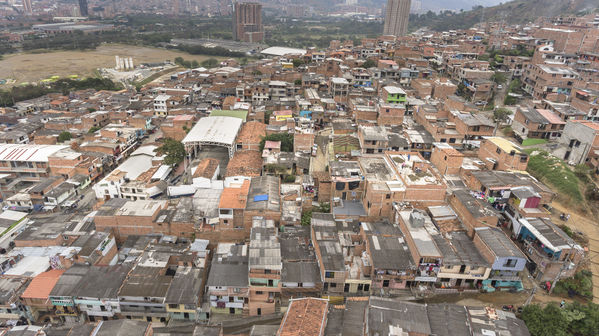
561,270
529,300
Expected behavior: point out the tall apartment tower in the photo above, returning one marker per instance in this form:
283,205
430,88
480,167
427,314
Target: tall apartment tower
83,11
396,17
247,22
27,6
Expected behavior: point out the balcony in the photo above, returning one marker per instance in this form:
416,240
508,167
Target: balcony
538,255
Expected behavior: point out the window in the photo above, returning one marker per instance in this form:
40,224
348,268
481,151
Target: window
388,196
259,292
173,306
498,150
329,275
333,285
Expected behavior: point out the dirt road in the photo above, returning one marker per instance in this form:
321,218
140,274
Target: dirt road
590,229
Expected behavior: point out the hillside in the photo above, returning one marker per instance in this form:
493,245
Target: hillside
513,12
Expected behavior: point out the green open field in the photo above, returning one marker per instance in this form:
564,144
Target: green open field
33,67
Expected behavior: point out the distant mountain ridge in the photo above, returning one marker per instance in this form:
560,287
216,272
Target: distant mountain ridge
513,12
438,5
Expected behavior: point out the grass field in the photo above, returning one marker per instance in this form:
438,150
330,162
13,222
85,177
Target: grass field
533,142
33,67
557,174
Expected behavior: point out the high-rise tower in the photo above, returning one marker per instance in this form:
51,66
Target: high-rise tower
247,22
397,16
83,8
27,6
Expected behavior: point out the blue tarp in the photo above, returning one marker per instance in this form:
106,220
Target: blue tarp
259,198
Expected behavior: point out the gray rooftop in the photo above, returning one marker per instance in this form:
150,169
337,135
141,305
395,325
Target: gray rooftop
185,287
102,282
264,185
304,272
478,208
458,249
499,243
265,250
146,282
69,281
389,253
386,314
228,275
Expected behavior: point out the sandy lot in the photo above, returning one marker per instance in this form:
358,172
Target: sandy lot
30,67
590,228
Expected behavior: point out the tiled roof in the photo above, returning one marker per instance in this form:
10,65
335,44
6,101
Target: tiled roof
252,132
245,163
551,117
206,168
234,198
304,317
41,286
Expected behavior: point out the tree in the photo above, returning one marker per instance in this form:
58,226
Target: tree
368,64
298,82
548,321
286,140
173,150
64,136
210,63
498,77
298,62
501,114
94,129
306,218
324,207
195,64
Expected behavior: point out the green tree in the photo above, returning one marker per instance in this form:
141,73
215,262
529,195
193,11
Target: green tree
173,150
286,140
501,114
195,64
306,217
298,82
324,207
64,136
94,129
210,63
298,62
548,321
498,77
179,60
368,64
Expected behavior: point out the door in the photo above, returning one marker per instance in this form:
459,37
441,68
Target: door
567,156
344,195
259,312
231,310
346,288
